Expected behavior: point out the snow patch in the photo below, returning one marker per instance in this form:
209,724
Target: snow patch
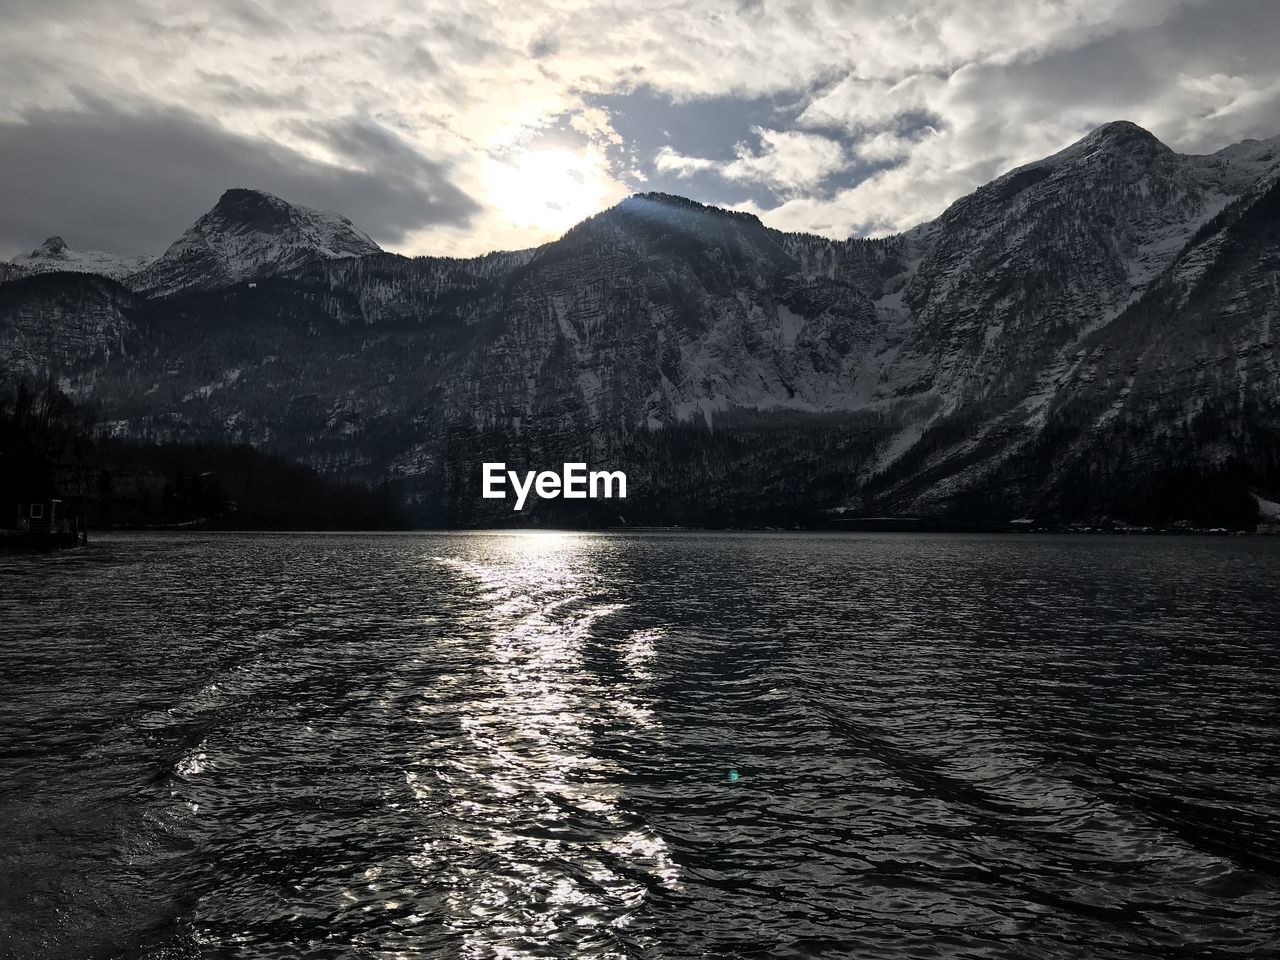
792,325
1268,510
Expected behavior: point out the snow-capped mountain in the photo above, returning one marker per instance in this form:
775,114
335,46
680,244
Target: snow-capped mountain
247,234
1081,326
54,255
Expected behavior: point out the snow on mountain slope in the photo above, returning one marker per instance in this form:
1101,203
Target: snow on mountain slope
1184,378
1023,271
1027,264
248,234
54,255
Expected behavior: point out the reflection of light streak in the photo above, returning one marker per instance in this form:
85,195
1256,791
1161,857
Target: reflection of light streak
530,770
639,651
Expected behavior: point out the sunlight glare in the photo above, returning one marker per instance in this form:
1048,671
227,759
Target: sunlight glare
549,189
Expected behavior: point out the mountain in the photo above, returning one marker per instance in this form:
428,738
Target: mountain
1034,272
249,234
1086,335
55,255
660,310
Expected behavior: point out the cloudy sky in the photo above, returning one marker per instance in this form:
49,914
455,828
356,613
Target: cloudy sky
460,127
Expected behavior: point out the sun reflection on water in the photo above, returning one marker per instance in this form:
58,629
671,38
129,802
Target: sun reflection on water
540,844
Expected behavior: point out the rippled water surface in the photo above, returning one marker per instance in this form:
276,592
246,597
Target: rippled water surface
540,745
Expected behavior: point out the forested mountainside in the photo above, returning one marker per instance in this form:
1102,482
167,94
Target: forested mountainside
1086,336
48,447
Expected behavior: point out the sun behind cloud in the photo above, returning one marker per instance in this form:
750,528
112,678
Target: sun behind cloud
548,189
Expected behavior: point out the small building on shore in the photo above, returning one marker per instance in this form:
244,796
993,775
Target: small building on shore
46,520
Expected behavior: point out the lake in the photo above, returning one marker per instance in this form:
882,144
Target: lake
662,745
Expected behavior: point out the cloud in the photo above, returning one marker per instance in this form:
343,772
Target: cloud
833,115
940,135
787,162
888,146
131,181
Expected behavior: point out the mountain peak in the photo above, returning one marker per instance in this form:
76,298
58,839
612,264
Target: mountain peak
1124,135
249,194
648,203
250,233
55,246
253,207
1116,128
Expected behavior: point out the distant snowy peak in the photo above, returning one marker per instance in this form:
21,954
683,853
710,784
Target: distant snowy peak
1241,167
1264,153
54,254
248,234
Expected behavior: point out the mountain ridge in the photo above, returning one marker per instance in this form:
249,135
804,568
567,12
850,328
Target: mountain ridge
912,374
247,204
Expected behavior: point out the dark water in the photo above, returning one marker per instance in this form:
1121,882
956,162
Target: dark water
652,746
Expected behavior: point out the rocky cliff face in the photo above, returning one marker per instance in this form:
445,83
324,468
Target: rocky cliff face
985,361
64,321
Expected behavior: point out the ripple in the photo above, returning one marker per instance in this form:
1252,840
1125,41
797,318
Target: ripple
559,745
